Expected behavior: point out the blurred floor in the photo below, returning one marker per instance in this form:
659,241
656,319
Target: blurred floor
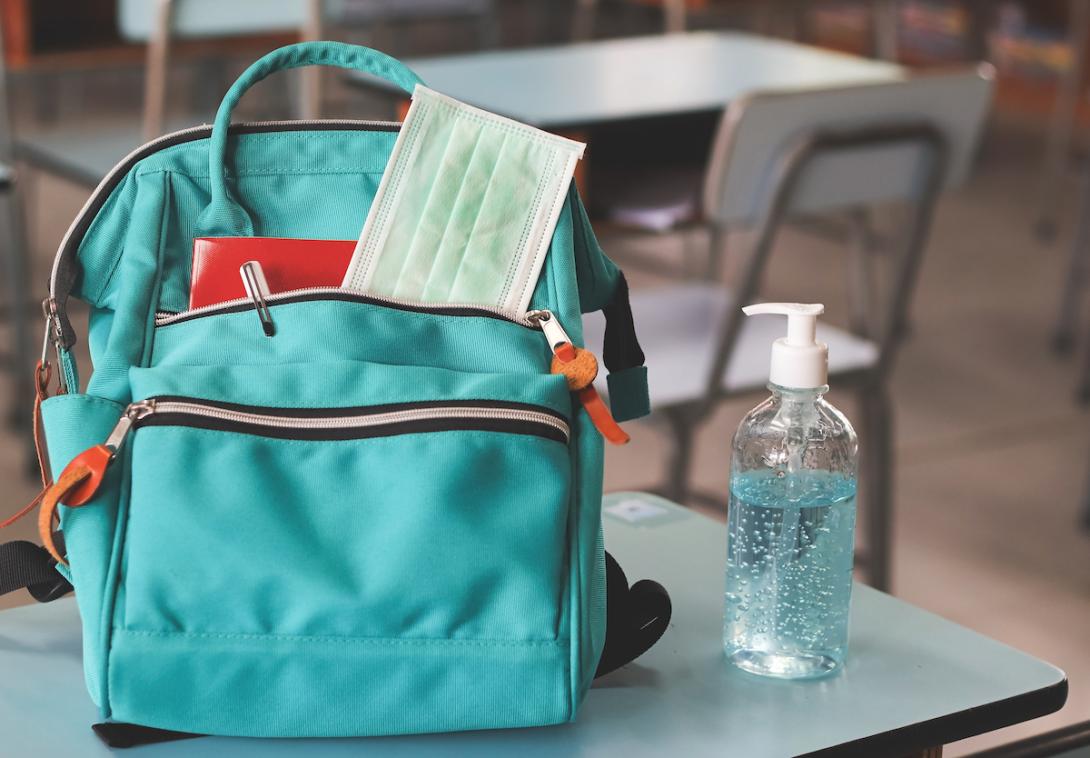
992,449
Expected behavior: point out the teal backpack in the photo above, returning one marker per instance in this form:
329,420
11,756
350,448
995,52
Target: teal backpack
384,520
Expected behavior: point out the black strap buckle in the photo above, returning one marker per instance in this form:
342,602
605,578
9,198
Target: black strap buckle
26,565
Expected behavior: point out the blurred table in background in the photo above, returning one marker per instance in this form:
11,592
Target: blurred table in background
573,86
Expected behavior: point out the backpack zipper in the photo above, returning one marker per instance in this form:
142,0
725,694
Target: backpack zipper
342,423
239,305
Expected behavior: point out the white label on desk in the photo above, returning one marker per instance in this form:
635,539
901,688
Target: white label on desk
634,511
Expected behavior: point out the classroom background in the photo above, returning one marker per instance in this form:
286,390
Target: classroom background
978,507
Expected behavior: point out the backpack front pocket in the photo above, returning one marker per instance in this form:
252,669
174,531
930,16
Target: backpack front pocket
408,545
435,519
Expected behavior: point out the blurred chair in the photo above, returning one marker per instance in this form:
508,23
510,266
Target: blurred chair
1067,742
806,152
1067,323
1058,141
70,151
1073,289
84,154
13,254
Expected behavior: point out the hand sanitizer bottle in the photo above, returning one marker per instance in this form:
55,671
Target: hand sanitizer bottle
792,515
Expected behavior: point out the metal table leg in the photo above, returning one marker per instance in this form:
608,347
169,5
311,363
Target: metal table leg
884,21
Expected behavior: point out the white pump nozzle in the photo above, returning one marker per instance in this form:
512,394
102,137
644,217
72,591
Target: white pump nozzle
798,360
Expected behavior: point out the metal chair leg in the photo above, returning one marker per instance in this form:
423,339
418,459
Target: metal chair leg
877,469
14,255
717,252
310,90
1063,338
863,285
488,28
1058,141
583,19
1082,392
155,81
884,21
679,463
675,16
1085,519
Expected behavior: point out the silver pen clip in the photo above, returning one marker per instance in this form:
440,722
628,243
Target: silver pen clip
257,289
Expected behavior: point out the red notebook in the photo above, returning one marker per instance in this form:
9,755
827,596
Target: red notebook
288,264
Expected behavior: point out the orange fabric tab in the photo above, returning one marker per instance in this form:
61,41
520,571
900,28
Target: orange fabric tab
565,351
74,475
578,366
95,460
602,418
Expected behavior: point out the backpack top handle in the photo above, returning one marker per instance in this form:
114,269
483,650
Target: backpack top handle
224,216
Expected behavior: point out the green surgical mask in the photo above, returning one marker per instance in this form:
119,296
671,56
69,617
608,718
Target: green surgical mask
465,210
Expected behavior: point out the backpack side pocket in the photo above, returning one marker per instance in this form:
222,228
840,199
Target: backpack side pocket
73,423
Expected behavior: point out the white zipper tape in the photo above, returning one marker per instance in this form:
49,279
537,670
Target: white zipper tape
144,408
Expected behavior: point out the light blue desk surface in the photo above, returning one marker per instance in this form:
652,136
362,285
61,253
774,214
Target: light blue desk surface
635,77
912,679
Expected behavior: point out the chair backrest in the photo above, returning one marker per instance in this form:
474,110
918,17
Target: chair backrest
755,131
848,148
159,22
137,19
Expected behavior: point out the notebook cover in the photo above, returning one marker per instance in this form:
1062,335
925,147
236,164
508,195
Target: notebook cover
288,264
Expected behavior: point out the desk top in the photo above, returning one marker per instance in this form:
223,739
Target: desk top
636,77
912,679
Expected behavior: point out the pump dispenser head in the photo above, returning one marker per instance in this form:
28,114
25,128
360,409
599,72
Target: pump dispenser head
799,361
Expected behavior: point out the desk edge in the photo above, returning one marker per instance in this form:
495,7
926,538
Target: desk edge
953,727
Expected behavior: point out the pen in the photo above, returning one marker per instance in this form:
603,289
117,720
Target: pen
257,288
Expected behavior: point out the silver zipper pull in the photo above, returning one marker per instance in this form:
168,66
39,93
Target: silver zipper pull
133,413
257,288
54,336
550,326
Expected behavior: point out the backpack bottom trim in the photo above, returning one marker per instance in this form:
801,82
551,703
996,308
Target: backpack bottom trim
270,686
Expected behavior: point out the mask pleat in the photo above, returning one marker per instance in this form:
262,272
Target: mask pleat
497,238
463,218
431,224
430,142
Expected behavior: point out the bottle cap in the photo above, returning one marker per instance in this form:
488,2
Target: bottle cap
799,361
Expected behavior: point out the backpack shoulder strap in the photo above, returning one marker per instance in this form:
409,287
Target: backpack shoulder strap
602,286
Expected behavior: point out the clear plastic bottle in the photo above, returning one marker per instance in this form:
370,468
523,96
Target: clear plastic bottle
791,527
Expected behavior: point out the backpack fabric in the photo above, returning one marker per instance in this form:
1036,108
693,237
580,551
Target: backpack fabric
235,579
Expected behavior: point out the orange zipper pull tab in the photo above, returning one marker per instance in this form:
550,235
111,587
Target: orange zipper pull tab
83,475
602,417
580,368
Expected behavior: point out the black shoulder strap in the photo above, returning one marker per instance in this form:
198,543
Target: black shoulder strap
636,617
26,565
621,352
